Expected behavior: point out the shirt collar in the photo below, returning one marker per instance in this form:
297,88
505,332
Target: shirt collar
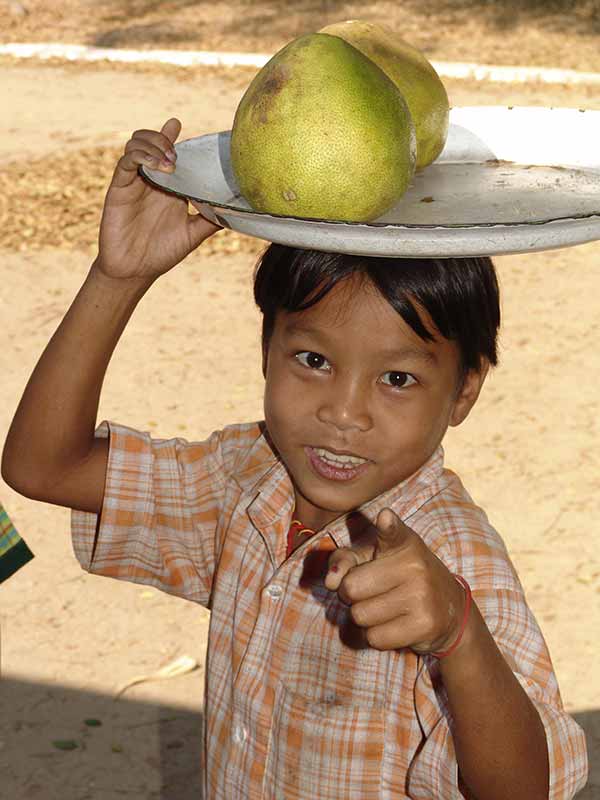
270,497
404,499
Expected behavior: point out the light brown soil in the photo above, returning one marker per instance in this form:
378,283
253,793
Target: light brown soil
189,363
559,33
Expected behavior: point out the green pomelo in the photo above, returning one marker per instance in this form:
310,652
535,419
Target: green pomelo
322,132
412,73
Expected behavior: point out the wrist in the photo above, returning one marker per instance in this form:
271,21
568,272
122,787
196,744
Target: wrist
475,640
460,616
135,286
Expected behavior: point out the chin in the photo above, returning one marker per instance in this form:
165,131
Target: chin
333,501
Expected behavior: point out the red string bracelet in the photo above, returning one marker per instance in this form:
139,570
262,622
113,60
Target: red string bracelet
465,619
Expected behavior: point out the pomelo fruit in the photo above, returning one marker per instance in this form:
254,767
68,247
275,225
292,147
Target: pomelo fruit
412,73
322,132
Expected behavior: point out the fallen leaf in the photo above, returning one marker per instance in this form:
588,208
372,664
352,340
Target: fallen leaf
65,744
180,666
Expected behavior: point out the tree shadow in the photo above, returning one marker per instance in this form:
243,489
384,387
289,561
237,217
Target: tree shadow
580,16
590,722
140,750
130,23
158,22
163,34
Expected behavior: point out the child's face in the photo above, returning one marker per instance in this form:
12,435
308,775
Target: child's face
355,401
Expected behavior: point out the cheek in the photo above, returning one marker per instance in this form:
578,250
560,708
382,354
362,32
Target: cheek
282,401
436,425
420,425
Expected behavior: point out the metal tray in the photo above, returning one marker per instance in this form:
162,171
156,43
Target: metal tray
510,180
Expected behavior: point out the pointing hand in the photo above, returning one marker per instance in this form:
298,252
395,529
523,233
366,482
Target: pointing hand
398,590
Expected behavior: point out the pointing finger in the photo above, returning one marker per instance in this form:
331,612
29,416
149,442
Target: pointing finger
392,533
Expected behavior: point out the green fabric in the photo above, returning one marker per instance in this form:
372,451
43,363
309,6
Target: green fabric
14,553
14,559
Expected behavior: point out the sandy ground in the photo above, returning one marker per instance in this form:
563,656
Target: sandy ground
561,33
189,363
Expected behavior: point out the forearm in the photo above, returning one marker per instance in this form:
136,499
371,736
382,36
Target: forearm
53,428
498,736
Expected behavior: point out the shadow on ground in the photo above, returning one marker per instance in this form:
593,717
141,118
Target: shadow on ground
130,23
140,751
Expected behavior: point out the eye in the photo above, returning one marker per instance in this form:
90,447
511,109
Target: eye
312,360
399,380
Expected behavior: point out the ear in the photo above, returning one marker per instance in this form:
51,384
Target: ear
468,393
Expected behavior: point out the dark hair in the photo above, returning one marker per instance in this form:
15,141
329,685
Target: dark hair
460,294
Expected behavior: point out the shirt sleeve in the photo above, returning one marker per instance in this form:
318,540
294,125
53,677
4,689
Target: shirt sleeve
480,556
163,500
14,553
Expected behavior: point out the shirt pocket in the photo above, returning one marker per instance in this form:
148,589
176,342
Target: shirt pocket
322,749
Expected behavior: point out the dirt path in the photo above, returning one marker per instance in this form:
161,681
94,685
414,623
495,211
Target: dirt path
561,33
529,454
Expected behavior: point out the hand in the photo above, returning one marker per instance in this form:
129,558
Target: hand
398,590
145,231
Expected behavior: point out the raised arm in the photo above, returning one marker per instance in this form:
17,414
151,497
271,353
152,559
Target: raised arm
50,452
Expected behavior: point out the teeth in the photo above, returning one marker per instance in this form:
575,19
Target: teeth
336,460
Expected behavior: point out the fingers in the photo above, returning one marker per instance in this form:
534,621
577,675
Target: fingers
369,579
200,229
355,572
340,563
381,609
392,533
171,129
398,633
153,149
157,148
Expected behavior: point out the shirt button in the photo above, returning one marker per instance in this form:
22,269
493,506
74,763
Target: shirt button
274,591
240,734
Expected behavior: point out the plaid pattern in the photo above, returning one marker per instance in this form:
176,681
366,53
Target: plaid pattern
14,553
297,706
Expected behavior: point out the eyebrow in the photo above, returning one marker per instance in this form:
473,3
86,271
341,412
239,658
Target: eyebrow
393,353
411,352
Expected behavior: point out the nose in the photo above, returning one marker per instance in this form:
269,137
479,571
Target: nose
346,406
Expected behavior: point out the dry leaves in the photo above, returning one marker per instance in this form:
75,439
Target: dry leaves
180,666
56,201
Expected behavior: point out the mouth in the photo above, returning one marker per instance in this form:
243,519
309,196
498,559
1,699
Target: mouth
336,466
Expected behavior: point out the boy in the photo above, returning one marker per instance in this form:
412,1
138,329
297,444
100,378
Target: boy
350,655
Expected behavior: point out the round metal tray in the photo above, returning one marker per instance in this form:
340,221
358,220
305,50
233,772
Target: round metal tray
510,180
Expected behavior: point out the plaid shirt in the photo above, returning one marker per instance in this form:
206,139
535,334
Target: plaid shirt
296,706
14,553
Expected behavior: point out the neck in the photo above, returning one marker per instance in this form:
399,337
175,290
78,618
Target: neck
311,516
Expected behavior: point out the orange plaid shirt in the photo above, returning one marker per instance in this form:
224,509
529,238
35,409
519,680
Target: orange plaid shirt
297,707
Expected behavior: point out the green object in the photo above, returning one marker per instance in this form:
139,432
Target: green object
414,76
92,723
14,553
116,748
65,744
322,132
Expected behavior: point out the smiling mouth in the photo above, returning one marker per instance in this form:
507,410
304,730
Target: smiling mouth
339,459
336,466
